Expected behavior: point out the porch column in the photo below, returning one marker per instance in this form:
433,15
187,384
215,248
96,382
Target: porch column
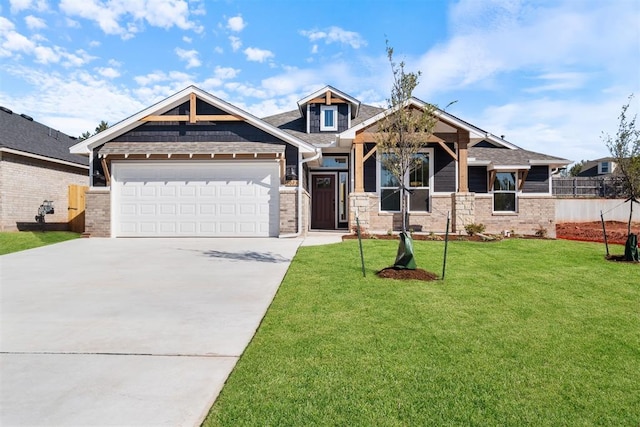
359,166
463,175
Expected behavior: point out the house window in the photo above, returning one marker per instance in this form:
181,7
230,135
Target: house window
335,162
504,192
328,117
416,181
604,167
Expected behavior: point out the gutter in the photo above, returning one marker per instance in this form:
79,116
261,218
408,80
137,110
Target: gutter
301,169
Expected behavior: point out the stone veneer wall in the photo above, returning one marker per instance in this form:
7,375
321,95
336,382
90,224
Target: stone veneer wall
289,211
26,182
464,210
97,218
374,221
534,213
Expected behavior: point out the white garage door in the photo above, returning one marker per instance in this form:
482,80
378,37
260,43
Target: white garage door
214,199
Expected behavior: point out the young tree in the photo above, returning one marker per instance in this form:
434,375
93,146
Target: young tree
576,168
404,131
625,149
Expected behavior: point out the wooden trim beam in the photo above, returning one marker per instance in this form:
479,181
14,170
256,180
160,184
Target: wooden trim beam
492,178
324,100
369,154
192,108
328,98
522,178
198,118
359,168
446,148
105,168
463,168
373,137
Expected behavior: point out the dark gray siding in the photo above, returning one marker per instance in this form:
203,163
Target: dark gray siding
537,180
343,117
314,118
370,170
197,132
444,170
477,179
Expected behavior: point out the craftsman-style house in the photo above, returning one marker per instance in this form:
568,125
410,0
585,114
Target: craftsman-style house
195,165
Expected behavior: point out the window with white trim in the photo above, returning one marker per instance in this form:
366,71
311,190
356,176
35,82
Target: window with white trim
416,181
604,167
328,117
504,192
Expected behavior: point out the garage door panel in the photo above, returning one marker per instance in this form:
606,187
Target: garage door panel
211,199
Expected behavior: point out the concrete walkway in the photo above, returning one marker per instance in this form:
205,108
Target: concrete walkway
129,331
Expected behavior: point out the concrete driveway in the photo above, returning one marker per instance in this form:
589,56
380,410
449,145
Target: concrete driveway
129,331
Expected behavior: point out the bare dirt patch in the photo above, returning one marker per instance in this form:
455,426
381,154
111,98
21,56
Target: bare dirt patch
592,231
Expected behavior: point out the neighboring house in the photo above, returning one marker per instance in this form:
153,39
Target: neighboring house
195,165
35,165
601,167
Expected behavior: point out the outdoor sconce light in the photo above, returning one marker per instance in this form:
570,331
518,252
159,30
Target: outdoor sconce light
290,174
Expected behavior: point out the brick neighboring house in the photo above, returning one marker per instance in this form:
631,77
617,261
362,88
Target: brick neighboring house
195,165
35,165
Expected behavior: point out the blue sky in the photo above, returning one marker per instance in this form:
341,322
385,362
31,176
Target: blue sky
549,75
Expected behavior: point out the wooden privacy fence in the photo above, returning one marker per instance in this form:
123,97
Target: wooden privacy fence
76,207
579,186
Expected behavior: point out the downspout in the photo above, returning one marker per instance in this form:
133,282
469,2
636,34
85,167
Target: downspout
300,188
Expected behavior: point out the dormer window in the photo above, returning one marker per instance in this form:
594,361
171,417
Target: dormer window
605,167
328,117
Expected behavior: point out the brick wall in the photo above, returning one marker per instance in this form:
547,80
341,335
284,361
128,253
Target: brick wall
534,213
25,183
97,220
289,211
374,221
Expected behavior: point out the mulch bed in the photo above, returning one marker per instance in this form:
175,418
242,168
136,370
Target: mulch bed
406,274
592,231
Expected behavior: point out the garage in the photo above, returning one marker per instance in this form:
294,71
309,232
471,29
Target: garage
195,199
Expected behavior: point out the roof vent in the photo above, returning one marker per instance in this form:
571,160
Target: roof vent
27,117
6,110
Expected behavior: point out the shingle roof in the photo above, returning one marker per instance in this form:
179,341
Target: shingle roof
21,133
510,157
190,148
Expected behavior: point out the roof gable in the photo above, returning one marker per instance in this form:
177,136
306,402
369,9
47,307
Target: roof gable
327,95
217,110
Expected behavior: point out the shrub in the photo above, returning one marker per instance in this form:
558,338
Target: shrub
474,228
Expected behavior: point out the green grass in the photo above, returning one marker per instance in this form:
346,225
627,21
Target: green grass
521,332
19,241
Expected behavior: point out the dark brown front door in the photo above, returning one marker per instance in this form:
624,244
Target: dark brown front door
323,202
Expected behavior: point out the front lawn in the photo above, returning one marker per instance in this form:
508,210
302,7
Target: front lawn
521,332
19,241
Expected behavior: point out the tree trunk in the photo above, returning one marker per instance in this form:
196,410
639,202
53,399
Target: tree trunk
403,208
631,202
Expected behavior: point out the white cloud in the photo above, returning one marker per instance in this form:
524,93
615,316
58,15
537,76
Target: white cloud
34,23
108,72
336,35
187,39
84,98
559,81
155,77
257,55
72,23
46,55
236,43
189,56
20,5
218,50
225,72
125,18
236,24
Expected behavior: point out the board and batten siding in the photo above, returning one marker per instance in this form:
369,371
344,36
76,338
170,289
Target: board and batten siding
444,171
478,179
537,180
